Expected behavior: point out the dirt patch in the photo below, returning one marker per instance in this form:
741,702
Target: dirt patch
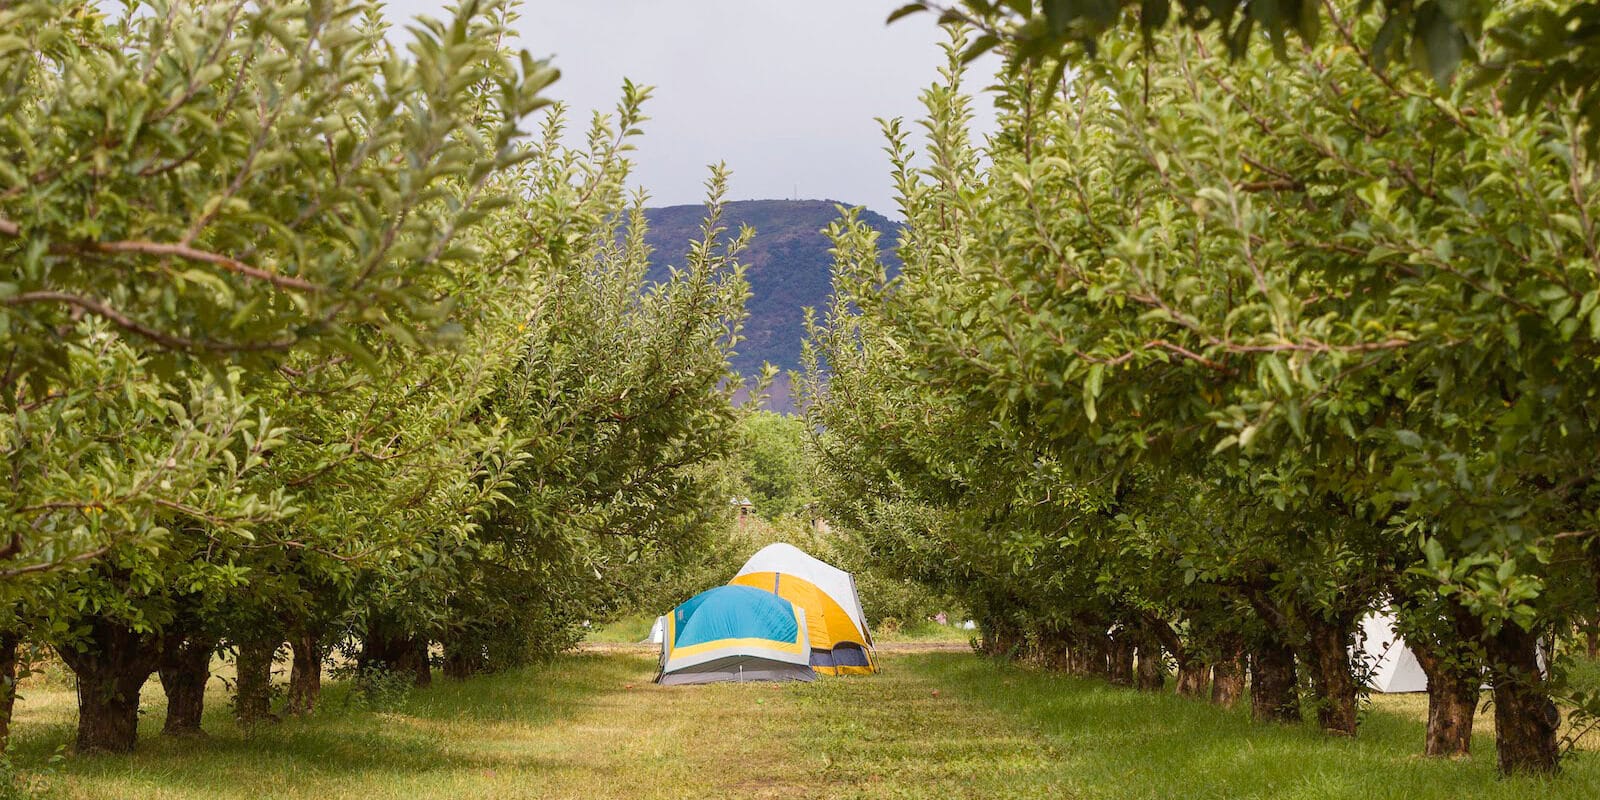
636,648
924,647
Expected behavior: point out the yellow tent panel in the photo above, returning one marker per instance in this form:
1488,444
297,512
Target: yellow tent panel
827,623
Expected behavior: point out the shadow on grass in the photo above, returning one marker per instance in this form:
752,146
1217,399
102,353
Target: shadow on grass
451,726
1116,742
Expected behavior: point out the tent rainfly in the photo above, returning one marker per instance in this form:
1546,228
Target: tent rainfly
1392,667
840,642
735,633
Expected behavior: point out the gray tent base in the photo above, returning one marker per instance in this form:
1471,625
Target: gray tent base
844,654
739,669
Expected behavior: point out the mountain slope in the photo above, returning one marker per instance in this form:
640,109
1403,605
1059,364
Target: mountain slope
787,266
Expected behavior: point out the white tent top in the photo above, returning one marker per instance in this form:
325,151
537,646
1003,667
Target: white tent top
1393,666
836,583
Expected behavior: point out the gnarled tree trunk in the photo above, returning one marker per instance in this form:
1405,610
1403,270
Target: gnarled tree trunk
1193,671
1452,704
1227,682
1331,676
1525,718
1274,694
252,700
111,667
305,673
184,669
1452,698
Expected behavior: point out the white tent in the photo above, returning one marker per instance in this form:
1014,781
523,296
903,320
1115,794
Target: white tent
1391,666
658,631
840,641
834,582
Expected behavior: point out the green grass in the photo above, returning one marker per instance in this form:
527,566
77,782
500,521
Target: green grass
628,630
924,631
934,724
1583,674
1117,743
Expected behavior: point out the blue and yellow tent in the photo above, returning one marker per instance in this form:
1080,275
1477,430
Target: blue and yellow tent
735,633
840,642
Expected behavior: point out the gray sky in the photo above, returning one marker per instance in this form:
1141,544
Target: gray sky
785,91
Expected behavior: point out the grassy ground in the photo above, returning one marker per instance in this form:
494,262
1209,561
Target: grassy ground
934,724
629,629
923,631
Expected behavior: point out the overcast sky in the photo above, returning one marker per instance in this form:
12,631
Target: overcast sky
785,91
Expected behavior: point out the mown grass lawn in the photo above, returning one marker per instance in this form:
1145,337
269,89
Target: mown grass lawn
934,724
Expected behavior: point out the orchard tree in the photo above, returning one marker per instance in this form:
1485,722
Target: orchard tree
1350,299
771,466
1544,51
165,200
621,400
221,183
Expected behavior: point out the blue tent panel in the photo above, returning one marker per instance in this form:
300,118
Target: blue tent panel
734,612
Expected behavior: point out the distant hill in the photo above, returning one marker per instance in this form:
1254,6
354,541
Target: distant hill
787,266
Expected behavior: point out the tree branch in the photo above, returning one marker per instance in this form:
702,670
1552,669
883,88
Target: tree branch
50,565
123,321
216,259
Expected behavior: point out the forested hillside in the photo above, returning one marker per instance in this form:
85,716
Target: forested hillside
787,267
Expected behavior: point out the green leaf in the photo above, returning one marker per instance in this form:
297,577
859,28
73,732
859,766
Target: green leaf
905,11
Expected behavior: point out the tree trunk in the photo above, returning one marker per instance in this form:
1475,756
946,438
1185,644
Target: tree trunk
1452,703
1525,719
1227,682
998,637
184,669
1274,693
1452,699
463,660
252,701
1331,676
9,642
1149,672
1151,669
401,654
1192,670
1119,661
111,669
1192,675
1592,641
1082,656
1051,651
421,666
305,675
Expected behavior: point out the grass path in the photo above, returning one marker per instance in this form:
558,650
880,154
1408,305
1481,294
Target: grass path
590,726
934,724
